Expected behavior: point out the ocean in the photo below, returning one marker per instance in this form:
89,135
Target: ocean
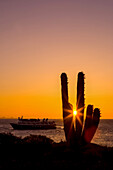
103,135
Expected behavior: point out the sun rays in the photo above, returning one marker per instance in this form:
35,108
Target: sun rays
74,115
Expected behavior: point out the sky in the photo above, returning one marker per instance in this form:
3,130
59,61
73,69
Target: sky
40,39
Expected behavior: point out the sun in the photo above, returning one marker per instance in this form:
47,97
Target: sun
75,112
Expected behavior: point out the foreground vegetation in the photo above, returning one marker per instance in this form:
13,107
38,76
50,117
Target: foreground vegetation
41,152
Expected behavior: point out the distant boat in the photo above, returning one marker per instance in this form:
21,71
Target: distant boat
32,124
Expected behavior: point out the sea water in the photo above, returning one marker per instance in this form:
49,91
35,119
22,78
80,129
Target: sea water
103,135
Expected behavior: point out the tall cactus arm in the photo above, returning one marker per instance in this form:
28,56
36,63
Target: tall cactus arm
64,89
67,109
80,104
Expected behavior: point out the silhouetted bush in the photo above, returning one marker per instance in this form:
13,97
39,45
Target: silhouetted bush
37,139
40,152
8,138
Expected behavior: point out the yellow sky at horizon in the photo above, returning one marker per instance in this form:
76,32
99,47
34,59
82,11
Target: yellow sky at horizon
49,104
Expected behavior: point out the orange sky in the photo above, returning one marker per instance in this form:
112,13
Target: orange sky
41,39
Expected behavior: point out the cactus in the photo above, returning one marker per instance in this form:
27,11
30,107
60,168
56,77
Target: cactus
80,105
67,109
78,134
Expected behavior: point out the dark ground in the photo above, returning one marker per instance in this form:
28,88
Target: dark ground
40,152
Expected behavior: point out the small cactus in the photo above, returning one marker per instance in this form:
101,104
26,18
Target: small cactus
91,123
78,134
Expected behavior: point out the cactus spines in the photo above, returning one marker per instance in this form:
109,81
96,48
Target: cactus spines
77,134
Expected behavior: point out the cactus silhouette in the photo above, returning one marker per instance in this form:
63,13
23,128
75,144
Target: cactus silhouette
76,130
80,104
67,109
